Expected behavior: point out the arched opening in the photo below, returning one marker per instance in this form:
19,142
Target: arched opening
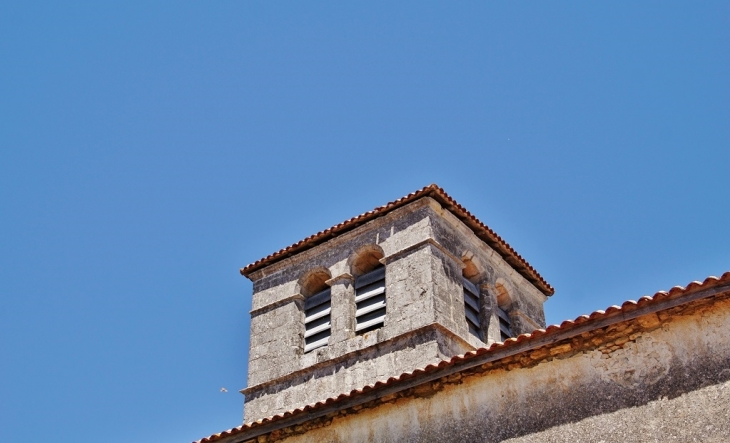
314,281
317,308
365,260
504,302
472,299
470,271
370,300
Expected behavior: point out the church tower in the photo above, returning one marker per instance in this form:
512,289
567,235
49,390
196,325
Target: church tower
405,285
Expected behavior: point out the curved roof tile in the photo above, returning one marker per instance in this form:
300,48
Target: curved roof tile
596,316
434,191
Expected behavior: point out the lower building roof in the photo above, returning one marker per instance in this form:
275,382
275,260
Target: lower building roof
522,345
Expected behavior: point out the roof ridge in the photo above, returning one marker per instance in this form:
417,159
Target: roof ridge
433,190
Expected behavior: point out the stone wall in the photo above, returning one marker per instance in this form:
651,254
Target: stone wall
423,248
660,377
354,370
525,301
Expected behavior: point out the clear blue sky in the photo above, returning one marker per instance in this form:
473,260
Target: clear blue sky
149,150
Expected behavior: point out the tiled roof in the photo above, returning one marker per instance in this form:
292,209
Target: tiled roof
480,229
593,321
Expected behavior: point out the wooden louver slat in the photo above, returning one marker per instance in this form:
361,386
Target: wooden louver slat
471,308
370,300
317,320
505,324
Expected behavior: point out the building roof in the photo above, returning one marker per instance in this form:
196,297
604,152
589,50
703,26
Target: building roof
434,191
521,345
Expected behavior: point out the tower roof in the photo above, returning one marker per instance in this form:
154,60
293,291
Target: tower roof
481,230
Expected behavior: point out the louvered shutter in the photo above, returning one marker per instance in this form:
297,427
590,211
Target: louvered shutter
505,324
317,320
471,308
370,300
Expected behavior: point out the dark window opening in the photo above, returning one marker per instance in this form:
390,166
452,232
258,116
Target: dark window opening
505,324
471,308
370,300
317,320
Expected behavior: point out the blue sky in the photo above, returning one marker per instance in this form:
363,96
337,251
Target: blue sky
149,150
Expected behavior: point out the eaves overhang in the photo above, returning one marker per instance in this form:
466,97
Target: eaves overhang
523,345
481,230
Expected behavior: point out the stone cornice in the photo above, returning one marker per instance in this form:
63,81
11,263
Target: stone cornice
276,304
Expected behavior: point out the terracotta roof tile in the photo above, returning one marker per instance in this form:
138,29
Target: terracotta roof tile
480,229
595,317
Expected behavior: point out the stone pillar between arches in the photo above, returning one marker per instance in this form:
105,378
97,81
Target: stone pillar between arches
343,308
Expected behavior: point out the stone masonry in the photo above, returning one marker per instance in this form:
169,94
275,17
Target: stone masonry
652,370
662,377
426,251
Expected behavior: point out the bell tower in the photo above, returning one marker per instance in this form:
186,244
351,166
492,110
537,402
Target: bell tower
408,284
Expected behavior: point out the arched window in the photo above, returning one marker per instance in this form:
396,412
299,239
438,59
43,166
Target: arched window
472,300
370,299
471,308
504,301
317,310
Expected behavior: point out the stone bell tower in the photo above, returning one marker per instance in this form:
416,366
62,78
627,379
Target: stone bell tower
405,285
